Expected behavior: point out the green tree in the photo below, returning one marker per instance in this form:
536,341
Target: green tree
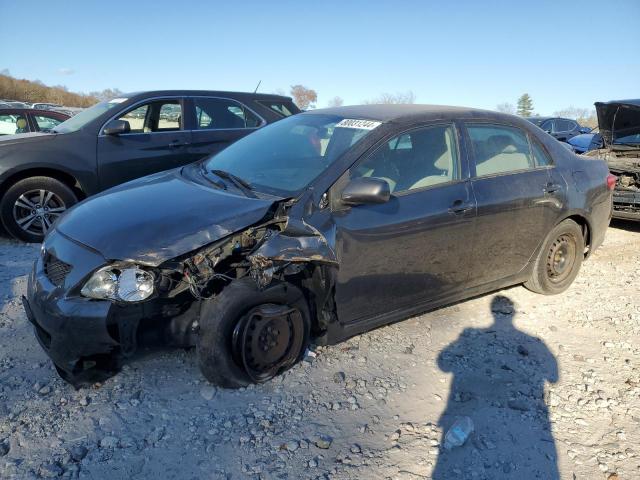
525,105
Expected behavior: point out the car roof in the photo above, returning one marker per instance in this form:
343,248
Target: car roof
396,112
33,111
186,93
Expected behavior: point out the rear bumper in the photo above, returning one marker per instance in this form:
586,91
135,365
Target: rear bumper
626,204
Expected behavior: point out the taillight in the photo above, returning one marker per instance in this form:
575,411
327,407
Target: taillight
611,181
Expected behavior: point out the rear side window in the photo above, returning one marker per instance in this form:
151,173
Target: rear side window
499,149
221,113
562,125
285,109
540,157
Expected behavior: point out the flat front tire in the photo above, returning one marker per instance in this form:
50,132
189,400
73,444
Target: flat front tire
249,335
30,207
559,259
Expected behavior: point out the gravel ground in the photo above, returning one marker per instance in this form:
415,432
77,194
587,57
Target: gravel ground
552,385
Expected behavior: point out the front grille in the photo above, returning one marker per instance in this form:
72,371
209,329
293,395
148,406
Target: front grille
56,270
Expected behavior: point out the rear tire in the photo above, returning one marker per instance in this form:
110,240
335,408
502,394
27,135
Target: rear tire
29,207
559,260
249,335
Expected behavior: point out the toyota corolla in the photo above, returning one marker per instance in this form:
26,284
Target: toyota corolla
314,229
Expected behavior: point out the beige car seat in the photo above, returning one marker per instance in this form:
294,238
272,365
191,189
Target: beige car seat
506,157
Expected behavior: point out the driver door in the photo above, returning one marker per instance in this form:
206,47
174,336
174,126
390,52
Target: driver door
416,247
157,141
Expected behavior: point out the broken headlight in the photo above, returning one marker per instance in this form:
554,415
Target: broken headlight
126,284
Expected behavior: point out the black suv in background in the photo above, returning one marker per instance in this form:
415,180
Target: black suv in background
41,175
561,128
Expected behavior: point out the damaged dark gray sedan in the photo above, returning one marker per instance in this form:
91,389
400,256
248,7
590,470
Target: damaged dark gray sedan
314,229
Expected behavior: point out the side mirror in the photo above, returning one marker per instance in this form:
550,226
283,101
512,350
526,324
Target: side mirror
548,130
117,127
366,190
585,130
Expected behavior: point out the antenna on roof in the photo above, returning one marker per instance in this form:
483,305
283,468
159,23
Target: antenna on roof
257,86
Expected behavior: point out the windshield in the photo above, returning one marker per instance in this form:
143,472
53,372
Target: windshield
79,120
284,157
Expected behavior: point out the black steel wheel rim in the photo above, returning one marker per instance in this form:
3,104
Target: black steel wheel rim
561,258
267,340
35,211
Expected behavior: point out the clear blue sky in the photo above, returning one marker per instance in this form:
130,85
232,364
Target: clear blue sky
472,53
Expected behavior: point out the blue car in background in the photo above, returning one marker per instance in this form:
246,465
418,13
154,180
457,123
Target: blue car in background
585,141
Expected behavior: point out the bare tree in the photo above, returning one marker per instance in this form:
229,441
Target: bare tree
335,102
584,116
106,94
28,91
305,98
393,98
506,107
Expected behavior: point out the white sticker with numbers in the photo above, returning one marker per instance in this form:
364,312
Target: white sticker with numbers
359,124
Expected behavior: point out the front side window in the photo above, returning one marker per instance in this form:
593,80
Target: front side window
45,122
156,116
499,149
286,156
86,116
417,159
220,113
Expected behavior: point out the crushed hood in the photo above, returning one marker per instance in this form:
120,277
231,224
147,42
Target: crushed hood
156,218
617,119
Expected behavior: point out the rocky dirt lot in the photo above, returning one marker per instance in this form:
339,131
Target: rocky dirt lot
552,385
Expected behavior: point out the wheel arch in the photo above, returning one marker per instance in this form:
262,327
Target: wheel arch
65,177
585,226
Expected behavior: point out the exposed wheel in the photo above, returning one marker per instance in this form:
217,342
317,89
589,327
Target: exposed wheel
250,336
30,207
559,260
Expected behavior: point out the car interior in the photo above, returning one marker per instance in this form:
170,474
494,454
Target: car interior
499,150
419,159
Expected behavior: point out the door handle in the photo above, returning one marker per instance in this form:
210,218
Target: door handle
552,187
458,207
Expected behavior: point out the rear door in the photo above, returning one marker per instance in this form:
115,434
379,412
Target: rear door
415,247
216,123
157,141
517,200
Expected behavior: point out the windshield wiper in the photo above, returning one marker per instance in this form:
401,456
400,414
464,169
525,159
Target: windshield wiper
204,172
240,184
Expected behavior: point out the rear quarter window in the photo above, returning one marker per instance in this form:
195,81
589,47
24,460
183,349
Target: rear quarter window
284,109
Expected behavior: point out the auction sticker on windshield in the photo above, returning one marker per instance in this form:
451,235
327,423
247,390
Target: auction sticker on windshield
118,100
359,124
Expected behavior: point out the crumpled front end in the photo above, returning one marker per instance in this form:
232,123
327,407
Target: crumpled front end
88,339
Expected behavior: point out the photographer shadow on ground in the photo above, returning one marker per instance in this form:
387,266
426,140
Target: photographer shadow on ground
499,374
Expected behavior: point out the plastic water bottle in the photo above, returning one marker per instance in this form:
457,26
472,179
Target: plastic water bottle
458,433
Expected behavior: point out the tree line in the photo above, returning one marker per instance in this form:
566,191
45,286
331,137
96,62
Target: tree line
584,116
305,98
36,92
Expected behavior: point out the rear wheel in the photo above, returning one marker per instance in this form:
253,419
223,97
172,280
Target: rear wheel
559,259
30,207
250,336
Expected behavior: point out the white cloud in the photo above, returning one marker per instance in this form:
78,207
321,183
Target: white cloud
66,71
